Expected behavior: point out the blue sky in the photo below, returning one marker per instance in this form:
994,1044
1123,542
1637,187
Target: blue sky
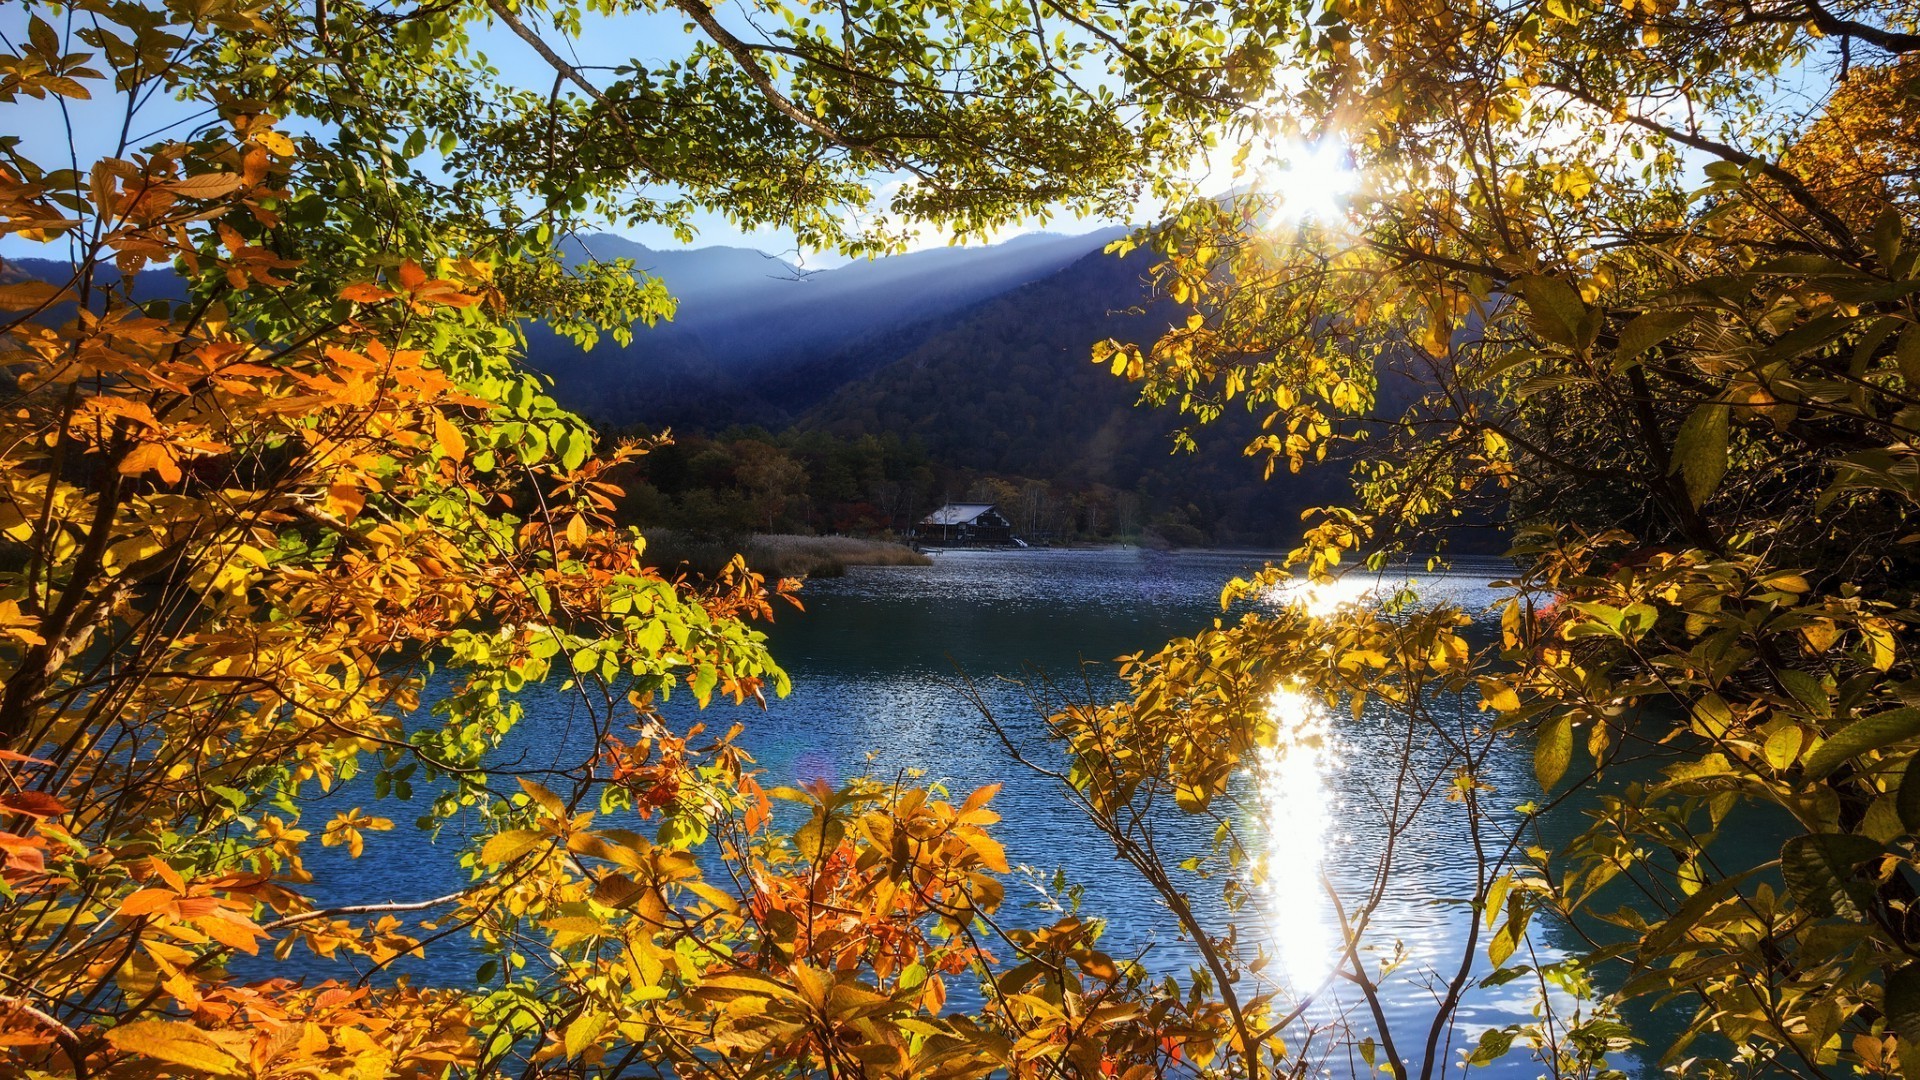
605,41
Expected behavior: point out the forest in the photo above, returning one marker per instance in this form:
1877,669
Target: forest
745,480
1626,291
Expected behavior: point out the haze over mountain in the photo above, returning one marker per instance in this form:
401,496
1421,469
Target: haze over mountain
978,355
758,340
981,356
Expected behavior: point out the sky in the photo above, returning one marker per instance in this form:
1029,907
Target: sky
605,41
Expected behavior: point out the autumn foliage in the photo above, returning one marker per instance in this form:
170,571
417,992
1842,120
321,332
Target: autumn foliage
304,523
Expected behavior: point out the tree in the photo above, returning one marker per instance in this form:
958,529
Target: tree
1662,327
242,526
309,521
770,475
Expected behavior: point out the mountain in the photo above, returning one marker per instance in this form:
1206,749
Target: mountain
1008,387
759,340
153,283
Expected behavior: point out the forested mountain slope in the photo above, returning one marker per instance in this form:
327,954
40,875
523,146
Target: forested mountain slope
1008,387
758,340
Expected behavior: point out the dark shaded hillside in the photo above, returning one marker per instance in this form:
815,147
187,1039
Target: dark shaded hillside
154,283
757,341
1009,387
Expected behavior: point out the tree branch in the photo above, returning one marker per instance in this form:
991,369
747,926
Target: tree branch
364,909
1832,25
62,1034
1795,188
742,54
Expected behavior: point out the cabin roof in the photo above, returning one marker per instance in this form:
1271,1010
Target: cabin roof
957,514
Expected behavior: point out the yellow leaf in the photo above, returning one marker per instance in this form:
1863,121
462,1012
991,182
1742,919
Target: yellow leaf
585,1031
274,141
1792,583
544,798
173,1042
1554,750
1499,695
508,846
1880,651
129,551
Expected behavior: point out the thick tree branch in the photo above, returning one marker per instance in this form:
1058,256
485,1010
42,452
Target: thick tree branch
1832,25
559,64
62,1034
742,54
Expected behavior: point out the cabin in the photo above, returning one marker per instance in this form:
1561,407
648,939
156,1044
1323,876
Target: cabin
965,525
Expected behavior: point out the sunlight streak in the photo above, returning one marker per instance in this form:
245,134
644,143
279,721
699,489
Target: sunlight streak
1298,808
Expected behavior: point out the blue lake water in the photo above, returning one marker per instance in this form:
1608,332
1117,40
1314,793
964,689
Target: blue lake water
878,659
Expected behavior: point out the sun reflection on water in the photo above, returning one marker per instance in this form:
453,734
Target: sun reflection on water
1323,598
1298,803
1298,807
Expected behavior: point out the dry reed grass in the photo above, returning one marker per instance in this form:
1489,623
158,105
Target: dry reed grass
783,555
779,554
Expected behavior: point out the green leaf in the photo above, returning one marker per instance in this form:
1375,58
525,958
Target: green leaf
1558,313
1906,355
1819,871
1806,266
1663,936
1494,1044
1886,244
1649,329
1903,1009
572,445
1907,801
1700,450
1554,750
1861,736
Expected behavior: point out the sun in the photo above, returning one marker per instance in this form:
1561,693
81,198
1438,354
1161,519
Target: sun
1309,183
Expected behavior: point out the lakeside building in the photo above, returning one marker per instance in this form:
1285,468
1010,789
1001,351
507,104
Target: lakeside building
965,525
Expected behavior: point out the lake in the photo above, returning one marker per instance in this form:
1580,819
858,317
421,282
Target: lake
878,660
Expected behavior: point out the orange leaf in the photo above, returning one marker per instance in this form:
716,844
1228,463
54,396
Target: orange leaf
33,804
206,186
150,457
411,276
448,436
347,500
365,292
168,874
231,934
148,901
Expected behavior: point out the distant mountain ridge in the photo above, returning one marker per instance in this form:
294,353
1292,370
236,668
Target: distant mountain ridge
758,340
981,355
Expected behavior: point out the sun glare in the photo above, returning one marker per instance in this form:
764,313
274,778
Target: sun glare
1321,599
1299,812
1309,183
